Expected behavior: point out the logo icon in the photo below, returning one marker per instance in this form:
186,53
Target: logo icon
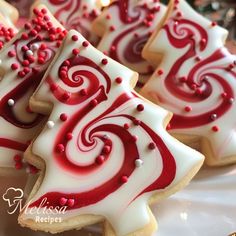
14,197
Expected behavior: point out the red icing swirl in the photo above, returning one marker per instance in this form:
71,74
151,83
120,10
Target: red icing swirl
139,23
77,80
91,135
184,33
75,19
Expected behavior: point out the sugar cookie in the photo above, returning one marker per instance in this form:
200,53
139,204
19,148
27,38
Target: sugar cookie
196,81
105,153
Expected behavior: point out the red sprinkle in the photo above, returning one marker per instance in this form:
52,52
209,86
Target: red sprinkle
17,158
104,61
188,108
198,58
118,80
43,46
106,149
71,202
100,159
41,60
83,92
69,136
14,66
183,79
53,87
93,102
151,146
198,91
21,74
63,117
179,14
75,51
66,96
126,126
63,201
213,23
44,11
25,63
168,127
215,128
203,42
160,72
11,54
33,169
60,148
112,28
134,138
140,107
66,63
24,36
108,16
124,179
137,122
224,95
27,25
85,44
18,165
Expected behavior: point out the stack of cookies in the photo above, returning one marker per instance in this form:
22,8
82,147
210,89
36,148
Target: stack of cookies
111,109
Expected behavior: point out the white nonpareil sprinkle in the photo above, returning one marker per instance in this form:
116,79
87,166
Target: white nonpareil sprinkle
50,124
11,102
35,47
231,100
213,116
29,53
138,162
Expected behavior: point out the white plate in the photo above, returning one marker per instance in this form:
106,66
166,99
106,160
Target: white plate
207,207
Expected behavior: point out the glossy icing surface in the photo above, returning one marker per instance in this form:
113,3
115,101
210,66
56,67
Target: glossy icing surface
196,80
76,14
23,63
103,131
128,25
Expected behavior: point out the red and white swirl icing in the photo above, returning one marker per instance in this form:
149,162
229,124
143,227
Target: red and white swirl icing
196,79
106,141
128,26
76,14
23,63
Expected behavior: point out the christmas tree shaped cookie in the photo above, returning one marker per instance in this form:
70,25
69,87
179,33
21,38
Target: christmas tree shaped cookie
76,14
125,27
23,62
196,81
105,153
